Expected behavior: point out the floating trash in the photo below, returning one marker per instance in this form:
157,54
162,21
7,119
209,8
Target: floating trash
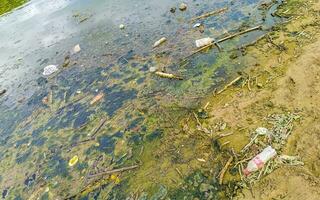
203,42
121,26
96,98
76,48
50,69
197,25
159,42
73,161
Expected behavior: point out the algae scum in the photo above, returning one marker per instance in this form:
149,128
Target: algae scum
104,109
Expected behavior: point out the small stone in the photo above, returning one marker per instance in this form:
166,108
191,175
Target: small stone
121,26
2,92
183,7
153,69
259,85
76,49
173,9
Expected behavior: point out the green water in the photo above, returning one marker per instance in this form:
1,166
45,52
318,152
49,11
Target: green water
46,121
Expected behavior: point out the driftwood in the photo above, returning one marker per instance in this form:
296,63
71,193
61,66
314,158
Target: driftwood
225,168
113,171
215,12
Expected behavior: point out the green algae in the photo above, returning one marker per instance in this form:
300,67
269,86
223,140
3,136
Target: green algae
150,134
8,5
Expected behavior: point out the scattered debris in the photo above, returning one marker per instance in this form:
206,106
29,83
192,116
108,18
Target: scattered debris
159,42
240,33
260,160
73,161
96,130
215,12
153,69
2,92
167,75
201,160
45,100
121,26
66,61
229,84
204,42
225,168
289,160
81,17
197,25
76,48
173,9
275,137
96,98
262,131
183,7
50,69
113,171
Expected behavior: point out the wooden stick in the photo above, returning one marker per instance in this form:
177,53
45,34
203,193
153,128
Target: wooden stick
215,12
224,135
239,33
225,168
180,174
113,171
102,122
222,40
229,84
166,75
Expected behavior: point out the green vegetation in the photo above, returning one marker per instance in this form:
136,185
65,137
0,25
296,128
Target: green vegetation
7,5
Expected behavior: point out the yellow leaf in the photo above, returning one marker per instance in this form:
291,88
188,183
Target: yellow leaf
73,161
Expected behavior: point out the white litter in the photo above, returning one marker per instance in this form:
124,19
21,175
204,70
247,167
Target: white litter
197,25
50,69
121,26
159,42
203,42
76,48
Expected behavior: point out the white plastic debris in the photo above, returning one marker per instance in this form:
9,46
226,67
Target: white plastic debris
260,160
262,131
153,69
203,42
159,42
50,69
76,48
197,25
121,26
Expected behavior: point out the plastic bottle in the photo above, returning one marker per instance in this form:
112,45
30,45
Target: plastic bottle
203,42
259,160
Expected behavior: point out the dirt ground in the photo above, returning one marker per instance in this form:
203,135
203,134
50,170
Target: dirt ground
286,81
298,89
